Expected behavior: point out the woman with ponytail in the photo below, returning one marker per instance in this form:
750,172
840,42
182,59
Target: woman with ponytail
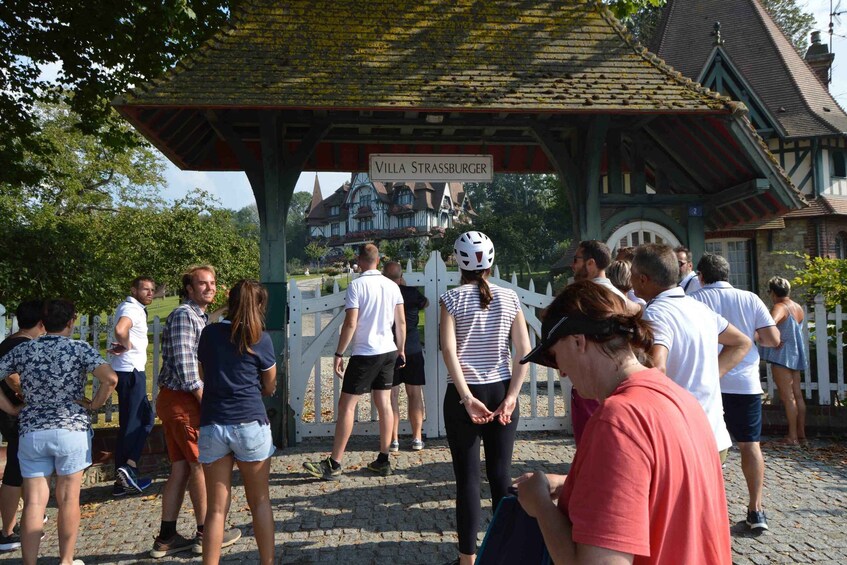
479,323
645,485
238,367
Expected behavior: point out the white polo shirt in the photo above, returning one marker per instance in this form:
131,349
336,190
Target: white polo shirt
375,296
603,281
746,311
691,283
135,357
689,330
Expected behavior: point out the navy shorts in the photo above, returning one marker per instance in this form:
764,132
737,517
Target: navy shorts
743,416
412,373
365,373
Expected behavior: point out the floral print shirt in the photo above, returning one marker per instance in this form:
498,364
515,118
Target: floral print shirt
53,370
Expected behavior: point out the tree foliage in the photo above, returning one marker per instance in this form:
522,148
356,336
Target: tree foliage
96,220
794,22
100,48
527,217
821,275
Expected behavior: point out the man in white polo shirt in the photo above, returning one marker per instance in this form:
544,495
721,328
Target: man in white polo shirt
688,279
741,388
129,361
373,304
687,334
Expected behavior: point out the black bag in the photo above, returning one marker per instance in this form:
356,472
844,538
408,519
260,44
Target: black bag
513,537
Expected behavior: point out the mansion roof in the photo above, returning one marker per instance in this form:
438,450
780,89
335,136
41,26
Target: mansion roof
768,62
426,196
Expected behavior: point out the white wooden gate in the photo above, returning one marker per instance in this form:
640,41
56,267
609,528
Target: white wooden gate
314,325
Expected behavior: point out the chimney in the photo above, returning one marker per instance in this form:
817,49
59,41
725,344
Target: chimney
819,58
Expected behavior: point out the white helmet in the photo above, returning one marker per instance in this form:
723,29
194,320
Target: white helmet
474,251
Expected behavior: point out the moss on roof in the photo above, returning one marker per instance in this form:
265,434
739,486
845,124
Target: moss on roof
443,54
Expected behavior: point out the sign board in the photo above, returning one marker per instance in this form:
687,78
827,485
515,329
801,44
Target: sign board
431,168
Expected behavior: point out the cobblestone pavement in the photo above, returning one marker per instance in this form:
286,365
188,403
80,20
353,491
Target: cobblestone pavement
407,518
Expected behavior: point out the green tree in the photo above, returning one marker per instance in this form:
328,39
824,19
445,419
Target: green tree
348,253
96,221
316,251
101,48
793,20
821,275
525,215
296,229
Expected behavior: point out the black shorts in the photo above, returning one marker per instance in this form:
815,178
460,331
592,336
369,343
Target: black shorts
413,372
743,416
365,373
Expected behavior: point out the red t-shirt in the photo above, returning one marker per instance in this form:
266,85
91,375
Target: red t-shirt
646,479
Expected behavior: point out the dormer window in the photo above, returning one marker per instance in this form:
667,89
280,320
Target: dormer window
334,210
405,198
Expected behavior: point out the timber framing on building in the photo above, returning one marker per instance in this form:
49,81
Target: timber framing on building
544,88
737,49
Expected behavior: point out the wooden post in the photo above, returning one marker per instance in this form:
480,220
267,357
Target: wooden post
272,200
595,140
822,351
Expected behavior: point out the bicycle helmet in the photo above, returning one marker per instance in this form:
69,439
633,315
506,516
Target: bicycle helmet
474,251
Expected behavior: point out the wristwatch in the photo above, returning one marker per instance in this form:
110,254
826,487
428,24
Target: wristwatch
466,398
337,354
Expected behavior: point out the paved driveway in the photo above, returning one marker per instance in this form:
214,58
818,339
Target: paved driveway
408,517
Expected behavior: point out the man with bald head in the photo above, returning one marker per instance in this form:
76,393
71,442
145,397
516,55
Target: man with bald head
373,307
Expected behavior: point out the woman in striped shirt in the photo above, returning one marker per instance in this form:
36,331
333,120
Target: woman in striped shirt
478,321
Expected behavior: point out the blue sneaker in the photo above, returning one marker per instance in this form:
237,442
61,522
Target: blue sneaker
128,477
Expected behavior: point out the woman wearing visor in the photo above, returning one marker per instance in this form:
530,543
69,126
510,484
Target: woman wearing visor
645,485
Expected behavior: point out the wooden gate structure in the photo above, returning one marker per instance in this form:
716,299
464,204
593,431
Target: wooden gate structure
543,87
315,391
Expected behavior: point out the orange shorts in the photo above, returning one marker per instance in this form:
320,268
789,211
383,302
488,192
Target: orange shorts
179,412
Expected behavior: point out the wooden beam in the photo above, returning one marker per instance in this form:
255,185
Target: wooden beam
592,159
613,161
252,168
684,163
738,193
617,200
560,157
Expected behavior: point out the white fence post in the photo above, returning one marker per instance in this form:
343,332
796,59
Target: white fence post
822,350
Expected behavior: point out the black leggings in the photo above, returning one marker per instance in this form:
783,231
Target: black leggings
463,437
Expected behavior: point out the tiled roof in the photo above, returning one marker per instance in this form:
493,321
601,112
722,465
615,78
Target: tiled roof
821,206
778,75
444,54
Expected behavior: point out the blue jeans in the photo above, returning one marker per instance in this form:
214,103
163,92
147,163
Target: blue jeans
135,416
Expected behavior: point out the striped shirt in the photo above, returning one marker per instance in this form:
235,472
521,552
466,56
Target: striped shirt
482,336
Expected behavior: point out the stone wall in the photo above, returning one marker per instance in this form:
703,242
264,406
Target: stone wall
774,249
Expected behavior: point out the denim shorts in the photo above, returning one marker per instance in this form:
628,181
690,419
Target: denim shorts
250,441
43,451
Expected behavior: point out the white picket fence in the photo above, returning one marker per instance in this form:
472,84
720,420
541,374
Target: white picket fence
313,332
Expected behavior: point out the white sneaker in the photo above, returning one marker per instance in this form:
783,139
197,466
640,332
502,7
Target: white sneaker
417,444
394,447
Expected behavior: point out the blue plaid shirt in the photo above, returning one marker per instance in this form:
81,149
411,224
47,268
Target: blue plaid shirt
179,348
